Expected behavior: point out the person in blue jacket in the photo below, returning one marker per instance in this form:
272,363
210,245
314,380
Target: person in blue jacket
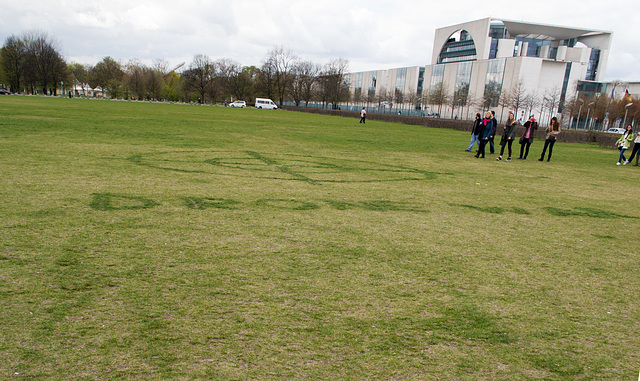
487,129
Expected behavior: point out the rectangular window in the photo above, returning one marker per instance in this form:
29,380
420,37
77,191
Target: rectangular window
493,83
437,75
401,78
592,69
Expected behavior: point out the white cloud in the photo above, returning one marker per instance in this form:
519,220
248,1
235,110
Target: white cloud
374,34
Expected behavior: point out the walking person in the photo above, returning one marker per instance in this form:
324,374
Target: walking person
623,144
492,148
475,132
363,116
487,127
552,134
527,137
636,147
508,135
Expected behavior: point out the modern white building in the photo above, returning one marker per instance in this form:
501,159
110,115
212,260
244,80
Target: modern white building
496,64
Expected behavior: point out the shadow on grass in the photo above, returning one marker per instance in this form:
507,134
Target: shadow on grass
494,209
585,212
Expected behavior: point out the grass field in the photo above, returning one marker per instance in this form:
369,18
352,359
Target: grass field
157,241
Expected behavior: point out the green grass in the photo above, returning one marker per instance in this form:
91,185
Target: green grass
156,241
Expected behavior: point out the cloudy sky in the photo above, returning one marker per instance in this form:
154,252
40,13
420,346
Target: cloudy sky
373,34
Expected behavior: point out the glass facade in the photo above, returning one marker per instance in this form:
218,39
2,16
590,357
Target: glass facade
534,46
565,86
463,80
401,78
373,80
358,81
420,81
592,69
459,47
437,75
493,83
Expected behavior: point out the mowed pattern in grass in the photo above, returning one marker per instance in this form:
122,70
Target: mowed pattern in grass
157,241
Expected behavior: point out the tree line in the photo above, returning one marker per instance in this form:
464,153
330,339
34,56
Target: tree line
32,63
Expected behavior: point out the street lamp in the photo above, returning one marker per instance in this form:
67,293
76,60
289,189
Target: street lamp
626,108
589,105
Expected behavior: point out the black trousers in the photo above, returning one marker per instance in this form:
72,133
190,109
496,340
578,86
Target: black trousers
547,143
524,148
508,143
481,147
636,147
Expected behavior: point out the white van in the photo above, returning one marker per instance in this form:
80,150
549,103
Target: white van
266,104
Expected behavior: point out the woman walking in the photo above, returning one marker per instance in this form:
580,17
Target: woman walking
487,128
527,137
475,132
552,133
623,144
636,147
508,135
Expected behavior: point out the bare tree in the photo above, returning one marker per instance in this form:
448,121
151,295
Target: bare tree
304,75
45,61
491,97
333,81
460,98
518,96
553,100
200,76
531,101
438,95
281,62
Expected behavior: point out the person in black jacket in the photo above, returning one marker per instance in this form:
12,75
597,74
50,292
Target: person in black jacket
508,135
492,148
527,137
475,132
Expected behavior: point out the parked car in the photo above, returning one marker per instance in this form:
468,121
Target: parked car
4,91
616,130
241,104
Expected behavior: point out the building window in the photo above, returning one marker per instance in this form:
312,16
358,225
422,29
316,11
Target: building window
437,75
592,69
373,79
401,78
459,47
358,84
534,45
493,83
420,81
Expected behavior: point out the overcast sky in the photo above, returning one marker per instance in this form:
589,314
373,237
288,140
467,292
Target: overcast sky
373,34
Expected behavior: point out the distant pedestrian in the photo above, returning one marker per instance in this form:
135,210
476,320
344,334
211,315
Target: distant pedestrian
363,115
527,137
636,147
552,134
508,135
623,144
475,132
